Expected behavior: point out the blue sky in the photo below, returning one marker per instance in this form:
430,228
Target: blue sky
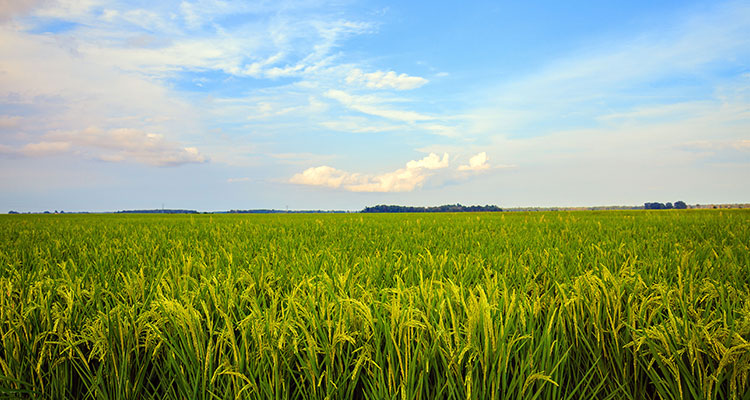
214,105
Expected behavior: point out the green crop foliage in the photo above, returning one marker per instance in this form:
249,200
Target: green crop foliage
543,305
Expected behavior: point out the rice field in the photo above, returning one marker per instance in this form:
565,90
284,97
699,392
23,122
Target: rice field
542,305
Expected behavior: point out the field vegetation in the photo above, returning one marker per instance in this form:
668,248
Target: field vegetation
543,305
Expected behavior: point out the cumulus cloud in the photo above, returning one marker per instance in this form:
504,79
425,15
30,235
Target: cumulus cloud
476,163
433,161
404,179
369,105
385,80
326,176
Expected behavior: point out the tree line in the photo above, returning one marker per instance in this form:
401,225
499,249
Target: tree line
678,205
157,211
382,208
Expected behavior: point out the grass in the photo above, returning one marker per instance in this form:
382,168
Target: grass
546,305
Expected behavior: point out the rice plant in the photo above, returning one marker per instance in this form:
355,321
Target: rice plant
544,305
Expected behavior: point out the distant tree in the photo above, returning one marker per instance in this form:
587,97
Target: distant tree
680,205
12,212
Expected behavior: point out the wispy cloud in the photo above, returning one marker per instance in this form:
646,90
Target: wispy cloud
371,105
359,125
301,158
385,80
272,47
237,180
714,146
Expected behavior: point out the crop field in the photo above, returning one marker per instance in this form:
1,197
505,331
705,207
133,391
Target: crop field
541,305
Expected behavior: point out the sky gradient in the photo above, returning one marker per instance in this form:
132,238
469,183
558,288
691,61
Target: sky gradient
213,105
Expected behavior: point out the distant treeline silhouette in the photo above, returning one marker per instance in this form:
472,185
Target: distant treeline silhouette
444,208
273,211
158,211
678,205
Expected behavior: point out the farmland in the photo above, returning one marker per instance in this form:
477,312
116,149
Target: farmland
547,305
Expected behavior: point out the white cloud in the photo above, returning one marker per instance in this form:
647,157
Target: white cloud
369,105
274,46
385,80
476,163
257,69
402,180
325,176
432,161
